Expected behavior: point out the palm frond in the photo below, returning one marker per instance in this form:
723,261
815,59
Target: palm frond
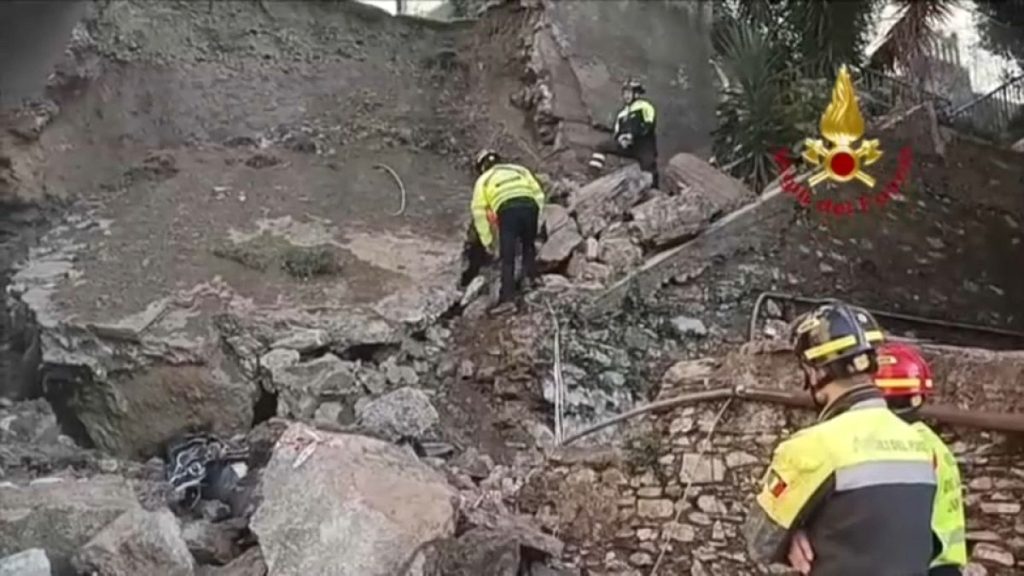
913,33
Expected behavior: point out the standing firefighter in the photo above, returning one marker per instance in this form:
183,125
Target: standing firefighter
858,485
634,133
905,380
512,194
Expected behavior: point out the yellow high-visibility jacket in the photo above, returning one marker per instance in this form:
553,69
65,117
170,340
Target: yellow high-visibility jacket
948,514
495,187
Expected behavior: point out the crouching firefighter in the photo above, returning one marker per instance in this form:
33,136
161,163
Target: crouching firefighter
512,194
634,133
905,380
857,486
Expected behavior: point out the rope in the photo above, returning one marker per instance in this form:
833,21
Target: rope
689,483
401,187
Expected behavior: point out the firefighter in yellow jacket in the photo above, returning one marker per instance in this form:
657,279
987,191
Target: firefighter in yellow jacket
511,195
905,380
858,484
634,134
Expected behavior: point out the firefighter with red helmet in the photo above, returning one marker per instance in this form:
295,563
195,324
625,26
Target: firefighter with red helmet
905,380
858,485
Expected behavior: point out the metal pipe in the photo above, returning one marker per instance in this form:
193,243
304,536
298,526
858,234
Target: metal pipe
991,421
879,314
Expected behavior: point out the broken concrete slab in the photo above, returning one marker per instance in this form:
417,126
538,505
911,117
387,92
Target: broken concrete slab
300,387
714,191
608,198
137,542
32,562
404,413
345,488
701,194
60,516
754,225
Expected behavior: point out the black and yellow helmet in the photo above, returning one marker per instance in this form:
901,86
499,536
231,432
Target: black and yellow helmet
872,330
833,337
485,159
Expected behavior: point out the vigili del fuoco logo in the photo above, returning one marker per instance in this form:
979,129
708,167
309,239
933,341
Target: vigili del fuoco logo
839,160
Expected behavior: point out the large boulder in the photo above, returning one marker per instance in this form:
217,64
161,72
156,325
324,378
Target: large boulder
702,194
347,506
608,198
137,542
28,563
60,516
404,413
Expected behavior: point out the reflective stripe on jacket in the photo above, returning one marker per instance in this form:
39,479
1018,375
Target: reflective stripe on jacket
948,515
496,186
861,485
636,118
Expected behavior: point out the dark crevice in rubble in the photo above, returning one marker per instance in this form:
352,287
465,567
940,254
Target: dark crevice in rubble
375,353
265,408
59,383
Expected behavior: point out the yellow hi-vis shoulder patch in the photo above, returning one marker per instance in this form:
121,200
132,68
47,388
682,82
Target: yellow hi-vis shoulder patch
797,470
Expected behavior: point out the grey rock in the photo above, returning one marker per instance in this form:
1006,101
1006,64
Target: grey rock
346,494
478,551
592,249
477,466
300,386
466,369
329,413
59,517
701,470
279,358
667,219
685,326
32,562
559,246
554,218
213,510
399,375
608,198
137,542
303,340
621,254
581,269
213,543
32,421
611,379
373,381
404,413
250,563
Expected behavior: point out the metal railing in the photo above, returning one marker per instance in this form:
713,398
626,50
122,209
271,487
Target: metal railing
991,115
886,93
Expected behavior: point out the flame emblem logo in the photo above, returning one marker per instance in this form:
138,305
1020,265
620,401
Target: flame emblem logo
842,125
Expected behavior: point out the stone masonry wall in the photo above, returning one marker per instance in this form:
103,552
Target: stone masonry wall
618,509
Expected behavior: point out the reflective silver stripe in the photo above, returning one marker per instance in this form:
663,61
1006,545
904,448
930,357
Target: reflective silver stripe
869,403
595,164
953,537
597,156
884,473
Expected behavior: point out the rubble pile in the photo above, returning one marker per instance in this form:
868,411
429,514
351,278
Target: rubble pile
609,226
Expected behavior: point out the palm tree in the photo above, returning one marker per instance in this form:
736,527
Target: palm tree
907,42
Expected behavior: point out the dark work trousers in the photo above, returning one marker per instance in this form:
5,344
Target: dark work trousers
946,570
644,152
517,229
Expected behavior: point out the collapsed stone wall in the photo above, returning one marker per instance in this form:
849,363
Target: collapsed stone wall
679,486
567,60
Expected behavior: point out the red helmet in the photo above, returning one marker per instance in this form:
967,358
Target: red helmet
902,372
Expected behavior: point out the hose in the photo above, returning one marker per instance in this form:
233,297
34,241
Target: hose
401,187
